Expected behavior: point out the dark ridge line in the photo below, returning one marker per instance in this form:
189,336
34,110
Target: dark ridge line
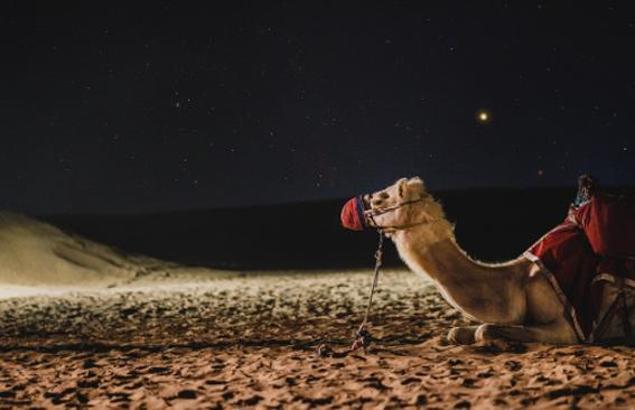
290,204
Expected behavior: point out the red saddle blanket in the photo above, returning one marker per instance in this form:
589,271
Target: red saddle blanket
594,244
608,222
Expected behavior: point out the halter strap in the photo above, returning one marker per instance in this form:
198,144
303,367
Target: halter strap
370,215
394,207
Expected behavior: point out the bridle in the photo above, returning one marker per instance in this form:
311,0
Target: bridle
363,337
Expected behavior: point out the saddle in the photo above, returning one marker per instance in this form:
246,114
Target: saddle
593,246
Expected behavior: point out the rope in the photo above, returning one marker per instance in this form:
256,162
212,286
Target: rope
379,253
363,337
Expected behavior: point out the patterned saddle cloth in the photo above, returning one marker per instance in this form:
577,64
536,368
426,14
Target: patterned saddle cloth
594,245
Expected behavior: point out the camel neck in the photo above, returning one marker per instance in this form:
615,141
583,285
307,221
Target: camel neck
436,252
469,285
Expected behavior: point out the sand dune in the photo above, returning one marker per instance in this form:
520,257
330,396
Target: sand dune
36,257
35,253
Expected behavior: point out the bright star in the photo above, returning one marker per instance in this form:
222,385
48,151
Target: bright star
483,116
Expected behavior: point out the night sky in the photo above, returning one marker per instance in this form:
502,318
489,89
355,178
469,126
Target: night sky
167,105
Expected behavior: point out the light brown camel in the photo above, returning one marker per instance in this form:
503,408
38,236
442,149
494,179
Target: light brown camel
513,300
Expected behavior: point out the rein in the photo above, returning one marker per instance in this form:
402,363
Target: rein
362,336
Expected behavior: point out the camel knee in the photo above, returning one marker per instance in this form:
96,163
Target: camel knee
461,335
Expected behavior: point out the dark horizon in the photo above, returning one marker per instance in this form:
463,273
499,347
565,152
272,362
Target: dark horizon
481,190
309,235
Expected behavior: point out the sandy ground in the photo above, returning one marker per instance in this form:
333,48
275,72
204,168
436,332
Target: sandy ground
240,342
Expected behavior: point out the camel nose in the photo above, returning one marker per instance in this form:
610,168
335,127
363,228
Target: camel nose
352,214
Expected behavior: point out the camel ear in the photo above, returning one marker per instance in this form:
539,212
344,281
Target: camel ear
401,187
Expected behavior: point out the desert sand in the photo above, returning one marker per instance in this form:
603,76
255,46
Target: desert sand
198,338
85,325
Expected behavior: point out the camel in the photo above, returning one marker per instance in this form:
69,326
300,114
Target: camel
513,300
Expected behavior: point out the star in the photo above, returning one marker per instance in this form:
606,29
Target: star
483,116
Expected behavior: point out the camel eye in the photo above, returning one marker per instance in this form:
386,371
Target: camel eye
384,195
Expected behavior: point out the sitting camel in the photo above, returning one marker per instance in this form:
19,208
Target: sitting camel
514,300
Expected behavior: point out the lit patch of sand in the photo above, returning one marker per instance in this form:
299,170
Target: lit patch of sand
218,339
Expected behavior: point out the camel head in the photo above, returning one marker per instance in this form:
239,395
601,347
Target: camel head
404,204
